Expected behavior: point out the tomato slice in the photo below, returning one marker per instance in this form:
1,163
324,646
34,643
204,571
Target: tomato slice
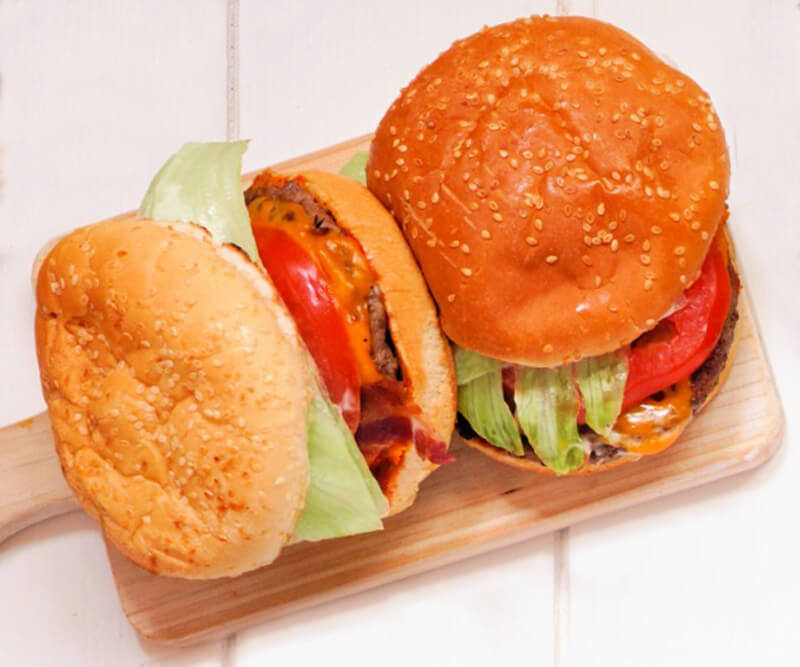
683,341
302,287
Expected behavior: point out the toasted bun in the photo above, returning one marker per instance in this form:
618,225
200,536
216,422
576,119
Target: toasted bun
422,349
558,183
176,388
533,464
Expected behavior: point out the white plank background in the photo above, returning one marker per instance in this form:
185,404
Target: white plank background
93,98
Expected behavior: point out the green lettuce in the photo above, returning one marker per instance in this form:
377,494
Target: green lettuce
602,382
481,402
201,183
343,497
547,410
356,167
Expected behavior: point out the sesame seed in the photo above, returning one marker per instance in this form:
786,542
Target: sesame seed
704,235
538,224
650,322
435,197
613,308
455,243
498,217
465,249
679,250
451,298
614,245
597,281
586,260
646,246
531,241
547,348
648,284
431,243
713,185
645,259
601,208
656,230
421,204
551,259
467,272
675,216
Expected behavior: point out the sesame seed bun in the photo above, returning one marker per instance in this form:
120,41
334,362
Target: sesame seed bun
559,184
422,350
177,389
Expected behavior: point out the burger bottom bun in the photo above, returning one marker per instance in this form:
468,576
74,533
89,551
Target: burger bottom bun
177,390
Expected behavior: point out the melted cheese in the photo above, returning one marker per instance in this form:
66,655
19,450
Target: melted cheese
652,425
341,261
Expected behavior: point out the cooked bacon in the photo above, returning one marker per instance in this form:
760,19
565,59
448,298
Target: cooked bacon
389,419
381,434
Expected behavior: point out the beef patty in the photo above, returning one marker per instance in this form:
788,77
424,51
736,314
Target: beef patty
705,378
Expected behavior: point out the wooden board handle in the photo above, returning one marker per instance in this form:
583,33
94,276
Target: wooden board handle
32,487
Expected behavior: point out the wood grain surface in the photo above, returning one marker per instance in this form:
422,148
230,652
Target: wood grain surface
465,508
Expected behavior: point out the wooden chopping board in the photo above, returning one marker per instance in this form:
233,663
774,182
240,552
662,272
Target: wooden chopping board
463,509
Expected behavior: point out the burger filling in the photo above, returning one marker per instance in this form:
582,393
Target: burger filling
324,277
635,400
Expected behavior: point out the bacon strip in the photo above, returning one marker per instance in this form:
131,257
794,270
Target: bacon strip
382,433
388,418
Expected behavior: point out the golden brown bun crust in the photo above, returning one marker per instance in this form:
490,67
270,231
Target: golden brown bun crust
532,464
175,384
558,183
422,349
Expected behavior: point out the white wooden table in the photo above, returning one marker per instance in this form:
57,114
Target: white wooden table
95,95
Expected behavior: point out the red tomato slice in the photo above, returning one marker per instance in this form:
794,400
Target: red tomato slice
683,341
302,287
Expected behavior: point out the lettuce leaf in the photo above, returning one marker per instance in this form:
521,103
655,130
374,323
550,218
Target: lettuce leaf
201,183
356,167
547,410
481,402
602,382
343,497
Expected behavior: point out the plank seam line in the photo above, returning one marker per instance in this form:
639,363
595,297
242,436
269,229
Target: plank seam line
232,69
228,654
561,605
228,647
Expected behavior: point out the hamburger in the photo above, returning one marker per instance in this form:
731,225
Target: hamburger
564,192
208,410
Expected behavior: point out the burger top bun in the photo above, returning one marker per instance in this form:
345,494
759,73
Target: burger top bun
177,389
558,183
